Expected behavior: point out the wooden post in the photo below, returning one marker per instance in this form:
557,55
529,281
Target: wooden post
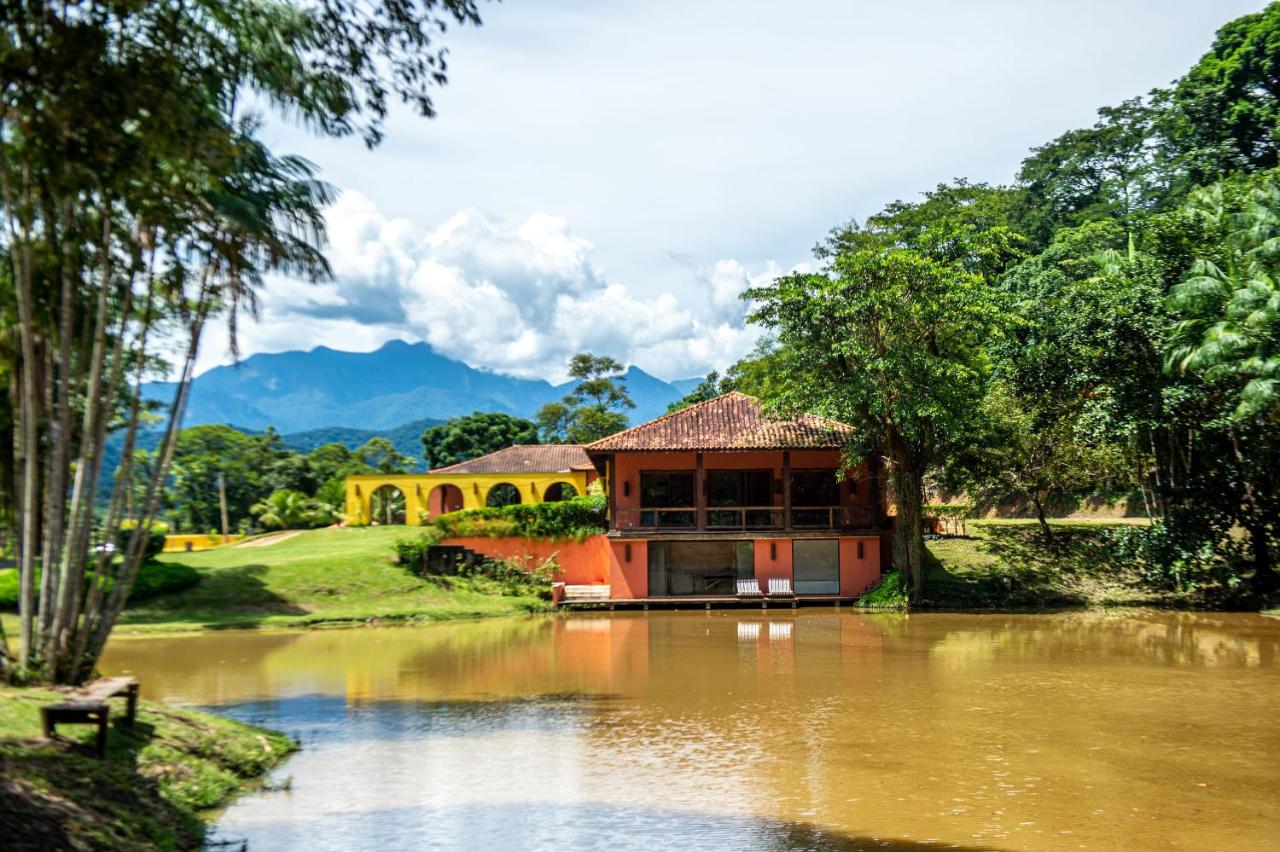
222,499
700,491
786,490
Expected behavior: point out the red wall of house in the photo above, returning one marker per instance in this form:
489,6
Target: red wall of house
582,563
772,563
856,574
629,578
598,561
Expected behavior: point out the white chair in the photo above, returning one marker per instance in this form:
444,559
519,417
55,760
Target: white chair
749,589
780,587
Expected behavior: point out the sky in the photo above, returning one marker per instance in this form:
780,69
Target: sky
609,177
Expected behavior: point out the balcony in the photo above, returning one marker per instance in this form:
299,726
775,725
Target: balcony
729,519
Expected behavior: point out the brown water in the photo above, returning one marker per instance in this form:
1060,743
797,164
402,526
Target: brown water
746,730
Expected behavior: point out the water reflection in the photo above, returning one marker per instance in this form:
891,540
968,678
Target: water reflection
816,729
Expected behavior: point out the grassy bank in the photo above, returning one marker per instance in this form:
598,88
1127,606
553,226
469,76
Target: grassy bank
147,794
329,576
1009,565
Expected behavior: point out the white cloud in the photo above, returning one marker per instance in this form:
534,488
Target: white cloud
516,298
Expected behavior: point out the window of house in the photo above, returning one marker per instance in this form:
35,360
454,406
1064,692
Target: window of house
666,489
739,488
814,488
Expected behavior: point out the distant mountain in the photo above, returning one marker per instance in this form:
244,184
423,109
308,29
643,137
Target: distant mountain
392,386
407,437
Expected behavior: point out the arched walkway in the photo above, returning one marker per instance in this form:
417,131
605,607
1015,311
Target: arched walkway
559,491
502,494
387,505
444,499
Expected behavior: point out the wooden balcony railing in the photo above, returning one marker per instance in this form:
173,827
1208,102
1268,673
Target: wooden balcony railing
744,519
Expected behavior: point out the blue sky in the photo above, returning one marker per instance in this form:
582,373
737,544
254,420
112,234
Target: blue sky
610,176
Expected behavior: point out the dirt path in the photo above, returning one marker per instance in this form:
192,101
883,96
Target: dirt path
274,538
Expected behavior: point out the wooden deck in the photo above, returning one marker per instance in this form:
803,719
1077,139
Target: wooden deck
709,602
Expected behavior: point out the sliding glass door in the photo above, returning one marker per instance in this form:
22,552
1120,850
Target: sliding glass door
816,566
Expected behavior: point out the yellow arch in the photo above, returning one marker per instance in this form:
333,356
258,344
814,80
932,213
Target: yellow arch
475,487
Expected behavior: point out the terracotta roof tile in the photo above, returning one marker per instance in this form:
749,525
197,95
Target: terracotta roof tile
733,421
525,458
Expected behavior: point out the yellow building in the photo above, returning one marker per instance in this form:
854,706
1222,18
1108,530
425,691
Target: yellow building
519,474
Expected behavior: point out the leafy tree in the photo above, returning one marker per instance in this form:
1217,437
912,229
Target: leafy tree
711,386
1112,170
379,455
1228,311
474,435
202,453
1227,334
1224,114
139,204
1035,454
596,406
892,342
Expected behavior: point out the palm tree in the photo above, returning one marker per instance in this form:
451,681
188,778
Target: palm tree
1229,326
283,510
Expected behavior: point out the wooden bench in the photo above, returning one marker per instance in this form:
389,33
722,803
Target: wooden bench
88,706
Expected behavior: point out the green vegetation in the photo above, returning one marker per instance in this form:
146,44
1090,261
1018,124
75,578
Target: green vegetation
890,593
597,406
474,435
268,486
141,203
287,510
1107,325
154,578
147,794
316,577
1010,565
575,519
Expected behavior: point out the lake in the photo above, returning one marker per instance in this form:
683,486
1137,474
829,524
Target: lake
808,729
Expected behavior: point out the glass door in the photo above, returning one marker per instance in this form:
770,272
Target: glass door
816,566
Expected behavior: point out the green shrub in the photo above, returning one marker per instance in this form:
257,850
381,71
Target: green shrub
568,519
155,538
412,552
890,594
154,578
1170,557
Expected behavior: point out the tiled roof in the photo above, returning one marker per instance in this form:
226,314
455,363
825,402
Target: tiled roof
733,421
525,458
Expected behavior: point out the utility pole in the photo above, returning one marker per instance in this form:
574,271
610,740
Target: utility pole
222,498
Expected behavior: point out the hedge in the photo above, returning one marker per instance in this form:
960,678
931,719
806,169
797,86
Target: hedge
154,578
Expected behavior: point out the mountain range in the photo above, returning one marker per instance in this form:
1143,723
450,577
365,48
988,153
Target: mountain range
377,391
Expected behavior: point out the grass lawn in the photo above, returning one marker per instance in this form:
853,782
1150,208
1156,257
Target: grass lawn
1007,564
147,794
315,577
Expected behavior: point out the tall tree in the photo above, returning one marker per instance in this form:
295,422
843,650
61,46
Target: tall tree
474,435
1224,114
139,204
596,406
892,342
1227,333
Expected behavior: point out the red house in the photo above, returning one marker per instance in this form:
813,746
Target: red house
717,500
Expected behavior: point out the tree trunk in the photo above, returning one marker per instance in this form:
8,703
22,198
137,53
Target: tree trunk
1265,581
1044,523
908,530
28,410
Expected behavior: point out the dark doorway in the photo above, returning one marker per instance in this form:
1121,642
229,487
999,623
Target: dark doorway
699,568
